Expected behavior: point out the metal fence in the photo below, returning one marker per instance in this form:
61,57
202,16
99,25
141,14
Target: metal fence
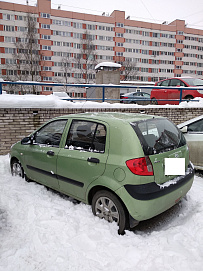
104,87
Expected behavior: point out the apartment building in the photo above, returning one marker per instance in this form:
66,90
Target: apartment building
157,50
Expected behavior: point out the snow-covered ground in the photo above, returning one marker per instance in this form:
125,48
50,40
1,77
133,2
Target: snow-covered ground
43,231
52,101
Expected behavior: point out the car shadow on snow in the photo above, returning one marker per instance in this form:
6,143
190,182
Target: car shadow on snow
161,221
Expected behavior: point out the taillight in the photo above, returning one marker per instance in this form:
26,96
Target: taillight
124,97
140,166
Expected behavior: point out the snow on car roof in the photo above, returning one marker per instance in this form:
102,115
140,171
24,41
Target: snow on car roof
107,64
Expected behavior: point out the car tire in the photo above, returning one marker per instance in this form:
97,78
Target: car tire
154,101
17,169
114,209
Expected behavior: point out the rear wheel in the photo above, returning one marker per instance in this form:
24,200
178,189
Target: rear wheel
154,101
108,206
17,169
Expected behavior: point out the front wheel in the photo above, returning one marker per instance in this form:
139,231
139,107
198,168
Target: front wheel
108,206
17,169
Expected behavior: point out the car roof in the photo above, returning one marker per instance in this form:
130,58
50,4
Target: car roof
129,93
111,117
189,121
181,78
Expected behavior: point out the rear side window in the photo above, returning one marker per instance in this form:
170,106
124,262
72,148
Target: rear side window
177,82
87,136
158,135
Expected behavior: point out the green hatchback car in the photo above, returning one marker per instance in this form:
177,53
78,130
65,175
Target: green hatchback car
129,167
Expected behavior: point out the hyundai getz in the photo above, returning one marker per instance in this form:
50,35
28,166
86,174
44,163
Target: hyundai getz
118,163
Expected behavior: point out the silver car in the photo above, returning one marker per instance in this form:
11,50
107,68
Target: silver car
193,132
138,97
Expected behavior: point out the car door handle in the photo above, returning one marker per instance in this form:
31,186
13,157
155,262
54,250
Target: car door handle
93,160
51,153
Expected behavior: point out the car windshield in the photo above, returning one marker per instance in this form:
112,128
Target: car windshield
158,135
193,81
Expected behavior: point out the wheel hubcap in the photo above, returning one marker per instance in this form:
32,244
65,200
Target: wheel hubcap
17,170
105,208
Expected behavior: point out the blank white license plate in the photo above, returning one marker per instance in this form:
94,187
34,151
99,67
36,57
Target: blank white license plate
174,166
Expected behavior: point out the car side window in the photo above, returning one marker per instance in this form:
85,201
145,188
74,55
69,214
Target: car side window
165,83
50,134
196,126
176,82
87,136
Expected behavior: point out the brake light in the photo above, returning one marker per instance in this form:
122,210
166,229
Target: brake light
124,97
140,166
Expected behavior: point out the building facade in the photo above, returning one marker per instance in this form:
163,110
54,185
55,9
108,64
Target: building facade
157,50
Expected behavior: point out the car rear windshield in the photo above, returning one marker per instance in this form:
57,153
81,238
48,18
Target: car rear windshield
158,135
193,81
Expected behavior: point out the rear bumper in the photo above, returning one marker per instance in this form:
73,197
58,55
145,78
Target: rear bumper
148,200
152,190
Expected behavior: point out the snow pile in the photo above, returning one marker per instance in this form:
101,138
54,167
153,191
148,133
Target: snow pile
41,230
53,101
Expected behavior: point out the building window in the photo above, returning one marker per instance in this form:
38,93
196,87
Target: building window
48,88
90,26
10,39
45,15
46,37
47,68
58,22
10,50
46,58
77,25
8,17
45,26
155,35
119,25
119,54
120,35
9,28
45,78
45,47
119,44
77,36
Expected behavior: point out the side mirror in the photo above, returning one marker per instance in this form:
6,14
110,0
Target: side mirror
184,129
27,140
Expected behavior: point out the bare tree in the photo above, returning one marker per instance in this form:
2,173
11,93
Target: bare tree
27,57
129,70
85,61
66,69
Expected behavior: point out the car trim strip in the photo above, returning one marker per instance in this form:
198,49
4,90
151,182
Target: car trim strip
152,190
53,175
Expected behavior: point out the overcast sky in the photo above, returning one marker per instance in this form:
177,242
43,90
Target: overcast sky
156,11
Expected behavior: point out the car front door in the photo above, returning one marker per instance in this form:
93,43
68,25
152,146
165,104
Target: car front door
84,157
163,93
41,156
174,94
194,138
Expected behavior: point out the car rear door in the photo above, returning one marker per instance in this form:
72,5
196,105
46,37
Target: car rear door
84,157
163,93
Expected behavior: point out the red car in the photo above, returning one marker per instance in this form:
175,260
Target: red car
174,94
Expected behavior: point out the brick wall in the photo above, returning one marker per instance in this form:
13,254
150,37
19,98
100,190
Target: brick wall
16,123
